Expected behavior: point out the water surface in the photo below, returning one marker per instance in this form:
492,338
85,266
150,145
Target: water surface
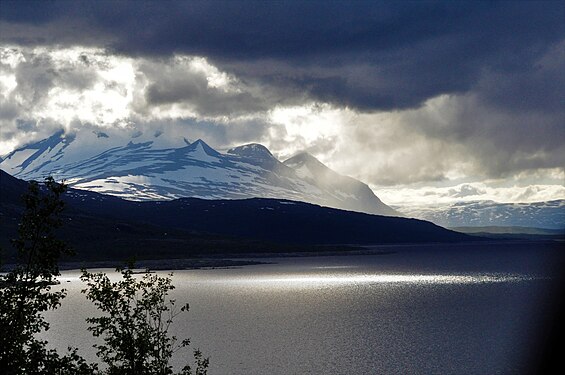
421,310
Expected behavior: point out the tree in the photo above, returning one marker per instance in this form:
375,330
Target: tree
25,292
137,321
136,324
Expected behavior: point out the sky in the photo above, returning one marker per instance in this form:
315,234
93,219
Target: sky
427,102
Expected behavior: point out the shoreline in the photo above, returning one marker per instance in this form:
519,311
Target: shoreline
219,261
255,258
162,264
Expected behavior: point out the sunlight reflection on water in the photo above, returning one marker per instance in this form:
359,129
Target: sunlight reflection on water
418,279
340,278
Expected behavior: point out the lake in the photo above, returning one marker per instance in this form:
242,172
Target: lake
435,309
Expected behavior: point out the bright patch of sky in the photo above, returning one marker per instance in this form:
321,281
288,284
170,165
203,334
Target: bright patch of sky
407,196
304,127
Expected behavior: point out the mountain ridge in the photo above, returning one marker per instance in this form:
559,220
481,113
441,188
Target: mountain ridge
139,169
545,214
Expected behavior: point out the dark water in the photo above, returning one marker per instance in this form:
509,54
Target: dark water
421,310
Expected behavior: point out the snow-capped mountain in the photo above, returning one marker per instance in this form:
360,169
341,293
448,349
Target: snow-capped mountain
143,169
341,188
550,214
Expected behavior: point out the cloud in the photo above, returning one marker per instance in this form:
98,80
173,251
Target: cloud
45,89
466,190
52,88
199,87
493,141
366,55
450,138
392,93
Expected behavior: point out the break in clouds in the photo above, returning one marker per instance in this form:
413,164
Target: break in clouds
395,95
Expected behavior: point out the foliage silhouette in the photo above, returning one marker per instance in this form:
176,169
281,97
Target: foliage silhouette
135,327
136,323
25,292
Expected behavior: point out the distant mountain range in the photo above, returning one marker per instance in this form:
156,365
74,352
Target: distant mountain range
142,169
518,233
107,227
549,215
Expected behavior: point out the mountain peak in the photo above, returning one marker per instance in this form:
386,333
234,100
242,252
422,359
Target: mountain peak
303,159
252,150
202,147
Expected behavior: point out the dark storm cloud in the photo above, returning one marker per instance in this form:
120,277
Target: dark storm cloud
182,87
368,55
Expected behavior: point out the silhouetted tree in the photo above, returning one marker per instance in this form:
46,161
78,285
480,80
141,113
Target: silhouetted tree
138,316
25,292
135,326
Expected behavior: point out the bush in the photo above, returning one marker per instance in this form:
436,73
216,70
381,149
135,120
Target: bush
136,324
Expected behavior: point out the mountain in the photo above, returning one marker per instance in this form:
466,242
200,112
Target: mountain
143,169
520,233
548,215
354,194
101,226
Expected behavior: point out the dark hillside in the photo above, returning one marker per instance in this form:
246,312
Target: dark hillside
107,227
